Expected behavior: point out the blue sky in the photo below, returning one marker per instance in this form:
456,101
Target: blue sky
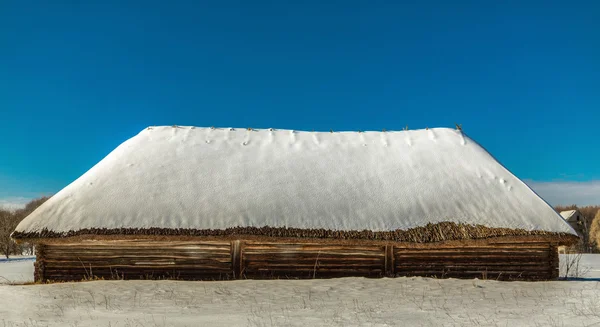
522,77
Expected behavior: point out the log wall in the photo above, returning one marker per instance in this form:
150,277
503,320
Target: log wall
234,259
302,260
535,261
136,260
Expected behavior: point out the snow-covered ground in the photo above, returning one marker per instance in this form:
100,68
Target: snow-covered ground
16,270
333,302
590,265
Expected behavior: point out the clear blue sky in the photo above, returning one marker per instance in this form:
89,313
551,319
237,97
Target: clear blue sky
76,80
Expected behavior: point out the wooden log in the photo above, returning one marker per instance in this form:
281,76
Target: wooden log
131,253
539,269
442,246
254,265
300,257
471,250
39,266
94,267
469,264
554,261
140,261
313,261
251,249
236,259
480,257
389,260
164,248
497,259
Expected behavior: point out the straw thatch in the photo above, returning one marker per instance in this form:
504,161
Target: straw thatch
438,232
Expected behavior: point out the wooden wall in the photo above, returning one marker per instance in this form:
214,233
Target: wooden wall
272,260
216,260
135,260
535,261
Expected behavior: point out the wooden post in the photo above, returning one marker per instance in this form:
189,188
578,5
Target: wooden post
554,261
236,259
389,260
39,265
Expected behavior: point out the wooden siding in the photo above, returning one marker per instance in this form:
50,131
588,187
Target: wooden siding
234,259
306,260
137,260
494,261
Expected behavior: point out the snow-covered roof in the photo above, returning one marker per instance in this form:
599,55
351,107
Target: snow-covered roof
567,214
218,178
571,215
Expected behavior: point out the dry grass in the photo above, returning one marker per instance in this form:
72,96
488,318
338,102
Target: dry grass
595,231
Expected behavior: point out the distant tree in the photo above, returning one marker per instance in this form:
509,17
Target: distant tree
9,221
30,207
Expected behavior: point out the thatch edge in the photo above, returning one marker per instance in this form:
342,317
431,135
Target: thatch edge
430,233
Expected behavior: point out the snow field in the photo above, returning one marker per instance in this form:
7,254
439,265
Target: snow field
16,270
333,302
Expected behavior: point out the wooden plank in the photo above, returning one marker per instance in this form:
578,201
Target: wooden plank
121,253
471,250
434,246
311,258
319,263
350,249
157,246
140,248
76,258
554,261
473,268
39,274
467,263
254,265
506,262
140,266
458,256
389,260
236,259
145,242
96,270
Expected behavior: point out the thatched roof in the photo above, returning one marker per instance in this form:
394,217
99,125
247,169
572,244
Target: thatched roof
208,181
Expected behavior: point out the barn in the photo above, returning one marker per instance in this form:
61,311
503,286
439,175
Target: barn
225,203
577,221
